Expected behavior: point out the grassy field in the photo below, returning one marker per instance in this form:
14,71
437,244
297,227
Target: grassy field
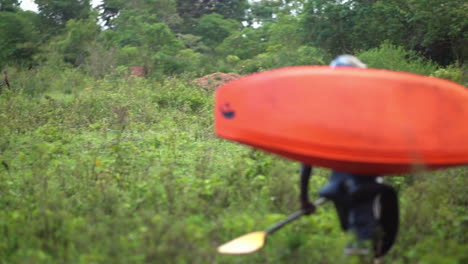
130,171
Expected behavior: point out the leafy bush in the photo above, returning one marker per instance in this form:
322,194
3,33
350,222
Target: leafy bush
46,79
454,73
434,210
396,58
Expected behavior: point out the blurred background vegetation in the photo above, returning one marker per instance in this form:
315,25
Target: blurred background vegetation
98,166
171,37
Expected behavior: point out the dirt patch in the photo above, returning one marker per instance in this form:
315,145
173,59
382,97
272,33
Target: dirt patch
214,80
139,71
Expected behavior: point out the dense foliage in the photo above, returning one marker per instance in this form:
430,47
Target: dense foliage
227,35
101,167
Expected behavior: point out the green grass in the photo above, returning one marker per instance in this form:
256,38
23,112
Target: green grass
130,171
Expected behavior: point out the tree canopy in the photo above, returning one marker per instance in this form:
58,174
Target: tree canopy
233,35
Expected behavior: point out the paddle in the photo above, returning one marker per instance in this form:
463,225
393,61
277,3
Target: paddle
252,242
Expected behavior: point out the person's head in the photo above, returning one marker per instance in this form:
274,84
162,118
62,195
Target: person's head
347,61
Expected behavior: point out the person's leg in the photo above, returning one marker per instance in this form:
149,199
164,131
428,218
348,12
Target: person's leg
354,199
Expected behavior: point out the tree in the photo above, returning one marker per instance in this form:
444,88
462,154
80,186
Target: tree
244,44
9,5
213,29
436,28
131,28
19,37
264,11
110,10
165,11
439,29
59,11
191,10
141,40
73,46
231,9
286,31
329,24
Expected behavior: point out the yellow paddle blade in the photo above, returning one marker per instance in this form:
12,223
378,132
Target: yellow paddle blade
245,244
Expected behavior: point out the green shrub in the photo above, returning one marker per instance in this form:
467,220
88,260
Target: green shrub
45,79
396,58
454,73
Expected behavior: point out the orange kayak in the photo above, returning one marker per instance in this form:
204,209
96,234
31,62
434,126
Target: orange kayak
363,121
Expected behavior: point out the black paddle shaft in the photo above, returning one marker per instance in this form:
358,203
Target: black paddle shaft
294,216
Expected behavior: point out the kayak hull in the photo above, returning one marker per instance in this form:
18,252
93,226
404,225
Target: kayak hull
363,121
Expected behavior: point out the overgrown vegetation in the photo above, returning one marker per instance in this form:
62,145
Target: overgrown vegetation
101,167
130,171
